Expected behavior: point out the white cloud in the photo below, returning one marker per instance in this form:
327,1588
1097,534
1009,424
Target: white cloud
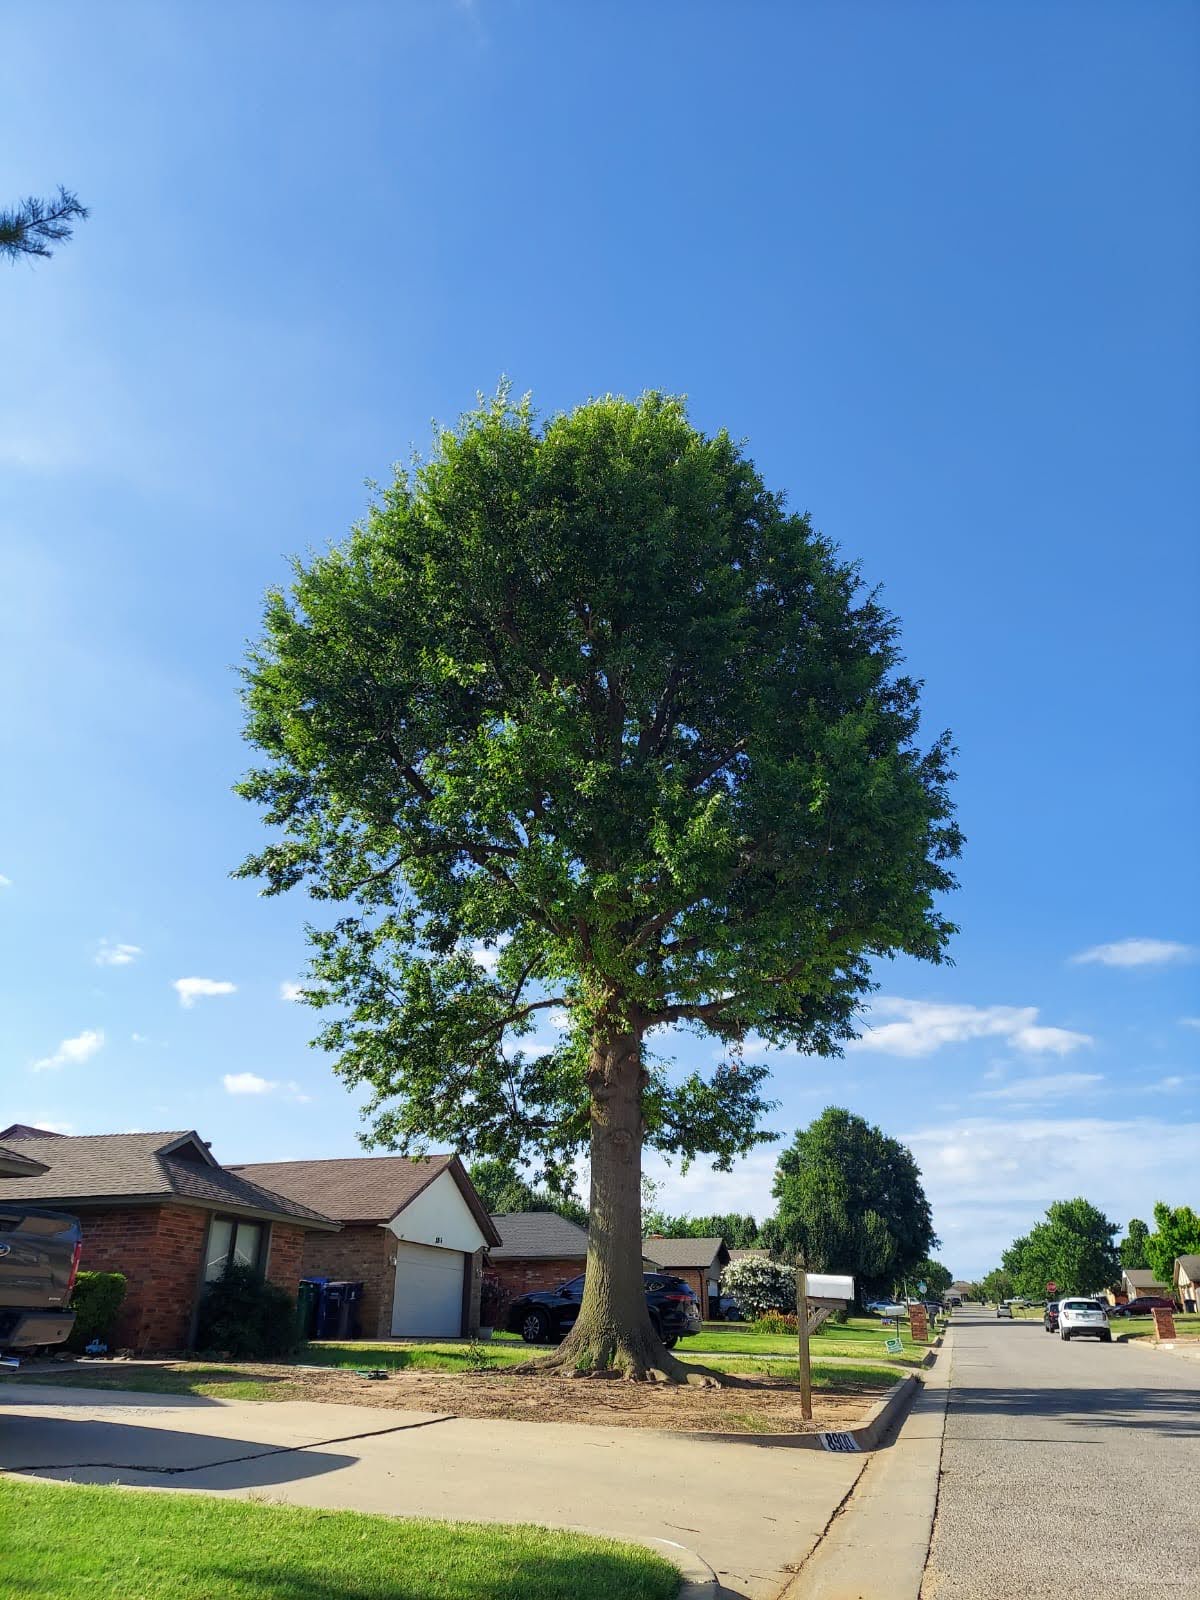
1051,1086
45,1125
289,991
116,955
190,990
488,956
5,883
1167,1085
72,1052
1189,1022
921,1027
1136,953
560,1020
247,1083
251,1083
996,1175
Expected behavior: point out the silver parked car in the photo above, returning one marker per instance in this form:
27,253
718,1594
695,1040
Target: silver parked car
1084,1318
1004,1309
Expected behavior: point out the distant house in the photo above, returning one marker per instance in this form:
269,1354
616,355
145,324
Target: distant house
1187,1282
161,1209
413,1233
538,1250
699,1262
1140,1280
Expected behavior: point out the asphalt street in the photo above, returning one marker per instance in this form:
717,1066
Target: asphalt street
1066,1468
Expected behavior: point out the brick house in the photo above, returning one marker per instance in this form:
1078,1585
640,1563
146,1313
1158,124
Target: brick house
413,1233
699,1262
1187,1282
160,1208
537,1250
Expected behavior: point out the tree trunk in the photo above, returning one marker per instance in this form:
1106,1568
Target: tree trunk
613,1331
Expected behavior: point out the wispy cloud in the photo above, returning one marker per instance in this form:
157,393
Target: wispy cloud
1136,953
72,1052
244,1083
109,954
920,1027
1169,1085
5,883
1189,1022
1039,1090
190,990
290,991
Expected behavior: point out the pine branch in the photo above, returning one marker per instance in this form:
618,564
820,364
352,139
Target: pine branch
34,225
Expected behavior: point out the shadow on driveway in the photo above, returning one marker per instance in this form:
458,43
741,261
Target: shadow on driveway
1173,1412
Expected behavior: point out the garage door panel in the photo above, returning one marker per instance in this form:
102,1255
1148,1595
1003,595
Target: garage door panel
429,1292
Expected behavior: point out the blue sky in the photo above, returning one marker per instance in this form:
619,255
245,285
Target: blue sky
935,263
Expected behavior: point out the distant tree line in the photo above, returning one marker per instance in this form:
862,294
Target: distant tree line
1075,1248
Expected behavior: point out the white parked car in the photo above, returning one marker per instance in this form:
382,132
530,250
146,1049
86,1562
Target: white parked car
1083,1318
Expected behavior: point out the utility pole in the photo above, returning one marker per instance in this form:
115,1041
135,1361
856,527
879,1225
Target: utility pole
802,1337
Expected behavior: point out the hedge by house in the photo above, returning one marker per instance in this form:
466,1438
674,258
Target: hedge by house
96,1299
242,1315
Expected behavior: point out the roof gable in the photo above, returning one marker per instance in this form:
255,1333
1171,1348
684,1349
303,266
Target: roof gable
677,1253
365,1188
79,1169
1142,1279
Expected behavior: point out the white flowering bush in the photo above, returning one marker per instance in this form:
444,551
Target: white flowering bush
760,1285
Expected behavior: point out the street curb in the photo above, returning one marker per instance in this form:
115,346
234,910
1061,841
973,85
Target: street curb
837,1441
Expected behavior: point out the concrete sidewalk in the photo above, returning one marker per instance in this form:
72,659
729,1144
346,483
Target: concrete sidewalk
751,1513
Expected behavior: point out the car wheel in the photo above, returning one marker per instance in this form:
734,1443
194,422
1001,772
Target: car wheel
535,1329
1107,1338
670,1340
1064,1336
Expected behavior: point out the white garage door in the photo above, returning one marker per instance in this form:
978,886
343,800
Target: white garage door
429,1292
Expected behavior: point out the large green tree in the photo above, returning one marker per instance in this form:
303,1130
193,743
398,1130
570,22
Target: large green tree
851,1199
1176,1233
936,1278
1073,1248
1133,1245
582,723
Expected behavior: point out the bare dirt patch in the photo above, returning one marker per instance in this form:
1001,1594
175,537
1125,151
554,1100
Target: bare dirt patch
754,1406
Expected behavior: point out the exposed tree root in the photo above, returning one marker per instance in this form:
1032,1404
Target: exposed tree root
637,1360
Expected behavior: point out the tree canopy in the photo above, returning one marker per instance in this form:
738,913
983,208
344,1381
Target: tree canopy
33,225
502,1189
936,1278
1176,1233
740,1232
851,1199
582,726
1133,1245
1073,1248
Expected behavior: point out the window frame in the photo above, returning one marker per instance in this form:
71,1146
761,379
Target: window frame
257,1266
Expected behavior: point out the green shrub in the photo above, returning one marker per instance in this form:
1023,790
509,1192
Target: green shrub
776,1322
243,1315
95,1300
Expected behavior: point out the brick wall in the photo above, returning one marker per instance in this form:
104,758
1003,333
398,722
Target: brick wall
159,1249
518,1276
696,1279
360,1253
285,1255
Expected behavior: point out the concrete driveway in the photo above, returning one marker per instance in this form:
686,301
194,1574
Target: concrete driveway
750,1511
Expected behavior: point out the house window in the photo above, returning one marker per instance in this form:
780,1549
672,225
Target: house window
232,1239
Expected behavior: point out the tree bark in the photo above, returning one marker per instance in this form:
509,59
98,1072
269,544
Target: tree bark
613,1331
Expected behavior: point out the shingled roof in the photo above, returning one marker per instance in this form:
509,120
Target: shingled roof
170,1167
534,1235
677,1253
366,1188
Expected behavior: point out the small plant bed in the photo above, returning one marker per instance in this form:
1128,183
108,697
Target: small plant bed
843,1394
70,1542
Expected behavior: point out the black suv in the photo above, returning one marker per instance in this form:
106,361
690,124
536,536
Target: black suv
549,1314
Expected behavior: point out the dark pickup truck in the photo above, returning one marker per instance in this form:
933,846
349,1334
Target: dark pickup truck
39,1257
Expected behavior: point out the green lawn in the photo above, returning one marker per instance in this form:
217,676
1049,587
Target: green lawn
72,1542
219,1383
858,1337
456,1356
1186,1326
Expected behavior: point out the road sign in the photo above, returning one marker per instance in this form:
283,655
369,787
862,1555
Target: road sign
1051,1288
